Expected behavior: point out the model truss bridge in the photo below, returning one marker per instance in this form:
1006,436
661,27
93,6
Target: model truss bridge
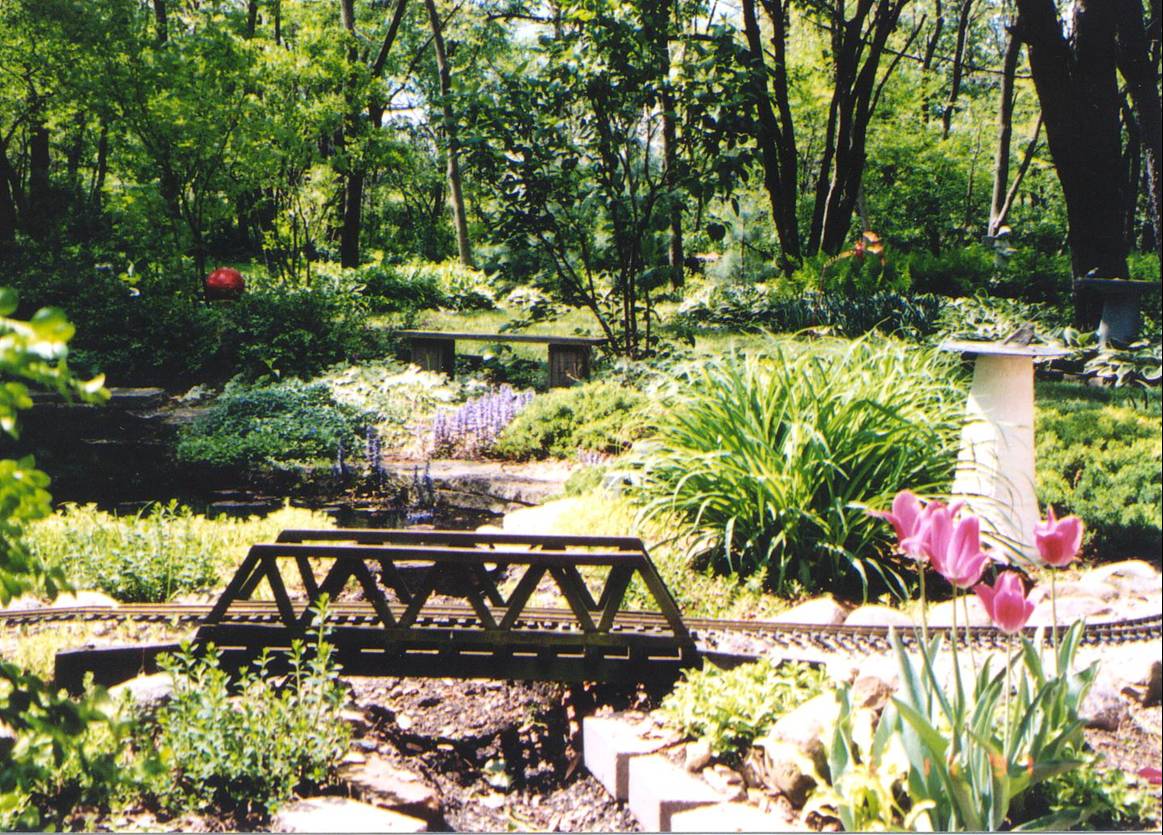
440,603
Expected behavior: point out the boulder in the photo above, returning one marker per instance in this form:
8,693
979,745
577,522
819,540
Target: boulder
1103,708
786,759
697,756
726,781
341,814
877,616
1069,609
91,599
21,604
780,766
870,692
146,692
941,614
1126,576
821,611
379,782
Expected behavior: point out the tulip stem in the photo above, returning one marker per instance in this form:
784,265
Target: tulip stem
968,636
1054,618
1006,703
959,706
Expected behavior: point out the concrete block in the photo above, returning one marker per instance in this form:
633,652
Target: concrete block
340,814
608,745
659,789
729,817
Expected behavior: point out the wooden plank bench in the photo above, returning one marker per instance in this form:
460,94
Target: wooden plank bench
569,356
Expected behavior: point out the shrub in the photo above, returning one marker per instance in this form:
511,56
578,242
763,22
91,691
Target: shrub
250,749
147,558
756,308
729,709
271,425
391,288
770,462
1099,456
597,417
163,551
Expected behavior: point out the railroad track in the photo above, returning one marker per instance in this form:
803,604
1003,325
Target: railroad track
709,634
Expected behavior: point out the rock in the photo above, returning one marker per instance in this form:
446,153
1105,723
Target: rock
549,518
379,782
1128,575
1069,609
780,766
609,744
786,758
93,599
941,614
877,616
726,781
341,814
882,666
21,604
732,817
1103,708
660,789
697,756
147,692
356,719
823,611
1086,587
871,692
1143,680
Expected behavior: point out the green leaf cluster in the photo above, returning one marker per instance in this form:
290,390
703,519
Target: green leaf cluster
596,417
272,426
729,709
247,748
1099,456
770,463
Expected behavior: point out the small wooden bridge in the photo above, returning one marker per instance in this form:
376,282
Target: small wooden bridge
445,604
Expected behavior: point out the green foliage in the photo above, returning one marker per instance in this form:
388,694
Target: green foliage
596,417
970,754
584,480
63,753
984,317
867,771
758,307
271,426
67,754
729,709
1096,795
770,463
1099,456
249,748
148,558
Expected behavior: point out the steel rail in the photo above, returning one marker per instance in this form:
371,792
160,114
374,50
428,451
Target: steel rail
705,631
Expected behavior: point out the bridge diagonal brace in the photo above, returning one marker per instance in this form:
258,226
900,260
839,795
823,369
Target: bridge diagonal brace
521,594
487,585
420,597
613,594
279,589
572,587
393,579
477,600
308,576
233,591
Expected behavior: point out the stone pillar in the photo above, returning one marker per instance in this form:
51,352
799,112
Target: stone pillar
995,467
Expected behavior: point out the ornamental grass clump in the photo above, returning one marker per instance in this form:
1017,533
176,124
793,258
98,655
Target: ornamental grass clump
772,462
973,747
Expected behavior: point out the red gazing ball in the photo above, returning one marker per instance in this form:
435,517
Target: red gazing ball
224,283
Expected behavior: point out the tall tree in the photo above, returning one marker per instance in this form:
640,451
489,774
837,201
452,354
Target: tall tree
1078,91
451,137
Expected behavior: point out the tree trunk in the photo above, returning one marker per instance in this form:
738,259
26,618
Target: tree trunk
776,142
1078,91
1142,76
455,193
8,214
958,66
99,175
251,18
353,177
656,21
39,208
161,32
1005,131
1133,168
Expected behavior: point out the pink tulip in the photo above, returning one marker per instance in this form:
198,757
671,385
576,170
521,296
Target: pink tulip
1005,602
1152,775
905,517
1058,540
952,545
